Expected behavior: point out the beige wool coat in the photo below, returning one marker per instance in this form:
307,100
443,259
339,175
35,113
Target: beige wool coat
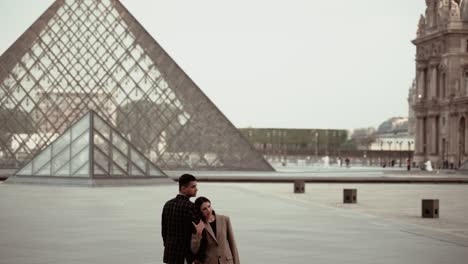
220,246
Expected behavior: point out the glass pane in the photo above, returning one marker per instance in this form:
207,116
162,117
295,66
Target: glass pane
98,171
102,160
134,171
80,160
60,160
153,171
81,126
60,143
63,171
101,143
41,159
27,170
120,143
116,171
45,171
80,143
119,159
138,160
83,171
102,127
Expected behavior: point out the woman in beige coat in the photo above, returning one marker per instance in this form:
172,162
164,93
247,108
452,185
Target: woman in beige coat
214,242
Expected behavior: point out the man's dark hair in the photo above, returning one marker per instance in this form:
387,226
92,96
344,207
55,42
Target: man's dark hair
185,179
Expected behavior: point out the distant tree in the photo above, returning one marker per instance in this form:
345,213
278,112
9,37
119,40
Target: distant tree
349,145
363,137
365,142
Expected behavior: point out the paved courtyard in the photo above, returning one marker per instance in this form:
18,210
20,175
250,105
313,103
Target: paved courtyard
45,224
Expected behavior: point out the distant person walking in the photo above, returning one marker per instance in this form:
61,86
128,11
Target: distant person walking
213,243
176,223
408,164
347,161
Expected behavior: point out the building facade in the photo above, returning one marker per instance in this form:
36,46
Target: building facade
305,144
441,105
393,142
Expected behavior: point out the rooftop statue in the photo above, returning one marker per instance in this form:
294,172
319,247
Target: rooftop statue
454,11
464,11
421,27
443,12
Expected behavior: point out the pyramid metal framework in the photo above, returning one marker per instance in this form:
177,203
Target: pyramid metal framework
90,148
83,55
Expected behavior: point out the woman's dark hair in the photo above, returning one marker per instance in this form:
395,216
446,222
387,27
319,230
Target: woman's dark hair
201,255
198,202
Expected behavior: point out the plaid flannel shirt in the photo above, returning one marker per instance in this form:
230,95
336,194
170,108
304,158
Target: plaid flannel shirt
176,228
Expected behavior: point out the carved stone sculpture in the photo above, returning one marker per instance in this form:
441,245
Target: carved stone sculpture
421,27
443,12
454,11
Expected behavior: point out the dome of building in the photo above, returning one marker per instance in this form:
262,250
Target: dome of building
393,125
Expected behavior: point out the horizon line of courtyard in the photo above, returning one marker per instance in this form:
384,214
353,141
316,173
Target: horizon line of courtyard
310,179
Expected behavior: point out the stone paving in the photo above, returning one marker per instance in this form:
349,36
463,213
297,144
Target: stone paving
50,224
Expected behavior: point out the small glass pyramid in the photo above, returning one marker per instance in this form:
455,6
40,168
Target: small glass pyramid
90,148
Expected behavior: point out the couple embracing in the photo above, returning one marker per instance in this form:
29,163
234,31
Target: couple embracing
192,233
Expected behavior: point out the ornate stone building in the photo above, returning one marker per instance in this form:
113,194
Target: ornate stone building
441,105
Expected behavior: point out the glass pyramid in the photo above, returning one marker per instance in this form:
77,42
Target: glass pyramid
83,55
90,148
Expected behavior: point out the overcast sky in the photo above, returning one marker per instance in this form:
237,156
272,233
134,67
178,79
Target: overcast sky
269,63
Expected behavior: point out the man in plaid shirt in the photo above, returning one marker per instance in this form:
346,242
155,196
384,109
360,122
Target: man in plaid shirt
177,218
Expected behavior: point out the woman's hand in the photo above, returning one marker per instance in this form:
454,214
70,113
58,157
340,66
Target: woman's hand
199,227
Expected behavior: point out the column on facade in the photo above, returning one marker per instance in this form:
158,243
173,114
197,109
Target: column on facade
465,80
466,134
419,138
432,82
426,86
420,83
431,140
452,132
443,84
432,133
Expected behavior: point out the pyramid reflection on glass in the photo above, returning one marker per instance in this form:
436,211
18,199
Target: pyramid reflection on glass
83,55
91,149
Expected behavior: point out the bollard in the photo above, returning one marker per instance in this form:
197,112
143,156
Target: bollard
349,196
299,186
430,208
